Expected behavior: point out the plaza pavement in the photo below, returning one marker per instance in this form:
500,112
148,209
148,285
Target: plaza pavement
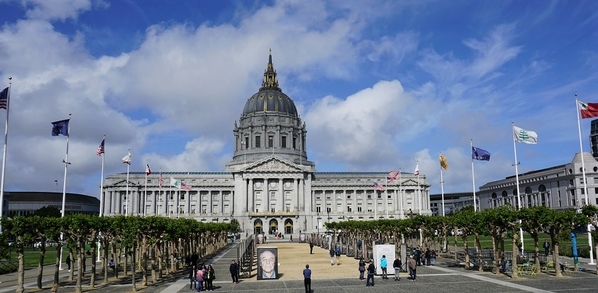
445,276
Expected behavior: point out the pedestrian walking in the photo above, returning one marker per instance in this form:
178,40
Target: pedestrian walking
307,279
337,254
384,267
546,246
311,248
192,273
397,266
412,265
68,262
199,279
361,269
112,265
331,256
210,276
428,256
234,271
371,273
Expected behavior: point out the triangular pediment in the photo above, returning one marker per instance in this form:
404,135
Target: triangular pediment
123,183
410,182
273,164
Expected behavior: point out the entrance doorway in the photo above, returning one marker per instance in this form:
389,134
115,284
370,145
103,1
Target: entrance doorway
258,227
273,226
288,226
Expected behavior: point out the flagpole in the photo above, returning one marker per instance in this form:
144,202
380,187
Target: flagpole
127,186
402,214
66,164
419,189
475,204
4,152
101,193
585,186
385,200
145,191
375,203
517,181
442,187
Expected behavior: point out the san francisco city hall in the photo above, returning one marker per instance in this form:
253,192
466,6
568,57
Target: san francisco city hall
270,185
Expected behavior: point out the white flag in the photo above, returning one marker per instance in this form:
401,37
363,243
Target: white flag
175,183
525,136
127,159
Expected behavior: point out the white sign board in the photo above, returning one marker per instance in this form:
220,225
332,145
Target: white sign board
389,251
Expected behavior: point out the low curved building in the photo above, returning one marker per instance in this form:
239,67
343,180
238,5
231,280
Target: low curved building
22,203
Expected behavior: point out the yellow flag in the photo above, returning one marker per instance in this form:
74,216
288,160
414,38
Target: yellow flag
443,162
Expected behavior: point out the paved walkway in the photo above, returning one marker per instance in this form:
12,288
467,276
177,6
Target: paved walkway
445,276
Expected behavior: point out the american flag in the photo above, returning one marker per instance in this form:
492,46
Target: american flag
416,172
185,186
100,150
161,181
4,98
378,186
147,170
393,175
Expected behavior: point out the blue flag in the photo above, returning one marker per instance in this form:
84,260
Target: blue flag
60,127
479,154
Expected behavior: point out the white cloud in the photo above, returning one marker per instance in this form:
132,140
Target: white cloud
56,9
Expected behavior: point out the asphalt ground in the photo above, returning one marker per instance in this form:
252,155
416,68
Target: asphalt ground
444,276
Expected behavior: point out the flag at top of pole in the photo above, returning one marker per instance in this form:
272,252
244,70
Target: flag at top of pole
393,175
127,159
147,169
60,127
480,154
416,172
4,98
443,162
525,136
588,110
100,149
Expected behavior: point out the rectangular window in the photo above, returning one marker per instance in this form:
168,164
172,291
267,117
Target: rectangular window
294,143
246,142
283,142
257,141
270,141
318,209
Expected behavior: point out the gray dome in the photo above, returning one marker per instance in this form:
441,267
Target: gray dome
270,101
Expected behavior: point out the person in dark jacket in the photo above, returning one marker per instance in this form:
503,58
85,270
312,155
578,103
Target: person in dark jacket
371,273
210,276
234,271
397,266
192,272
361,269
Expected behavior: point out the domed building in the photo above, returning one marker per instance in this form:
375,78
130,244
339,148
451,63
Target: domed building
270,186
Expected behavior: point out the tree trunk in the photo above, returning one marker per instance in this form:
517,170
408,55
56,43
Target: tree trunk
514,262
555,258
94,251
105,260
40,264
72,257
133,254
21,259
126,261
80,255
57,263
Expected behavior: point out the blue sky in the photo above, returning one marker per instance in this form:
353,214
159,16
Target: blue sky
381,85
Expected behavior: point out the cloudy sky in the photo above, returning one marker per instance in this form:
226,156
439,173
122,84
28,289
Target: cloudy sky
381,85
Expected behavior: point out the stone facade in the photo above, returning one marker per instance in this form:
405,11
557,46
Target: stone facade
270,185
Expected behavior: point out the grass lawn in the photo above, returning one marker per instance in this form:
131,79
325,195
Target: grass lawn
486,241
32,256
